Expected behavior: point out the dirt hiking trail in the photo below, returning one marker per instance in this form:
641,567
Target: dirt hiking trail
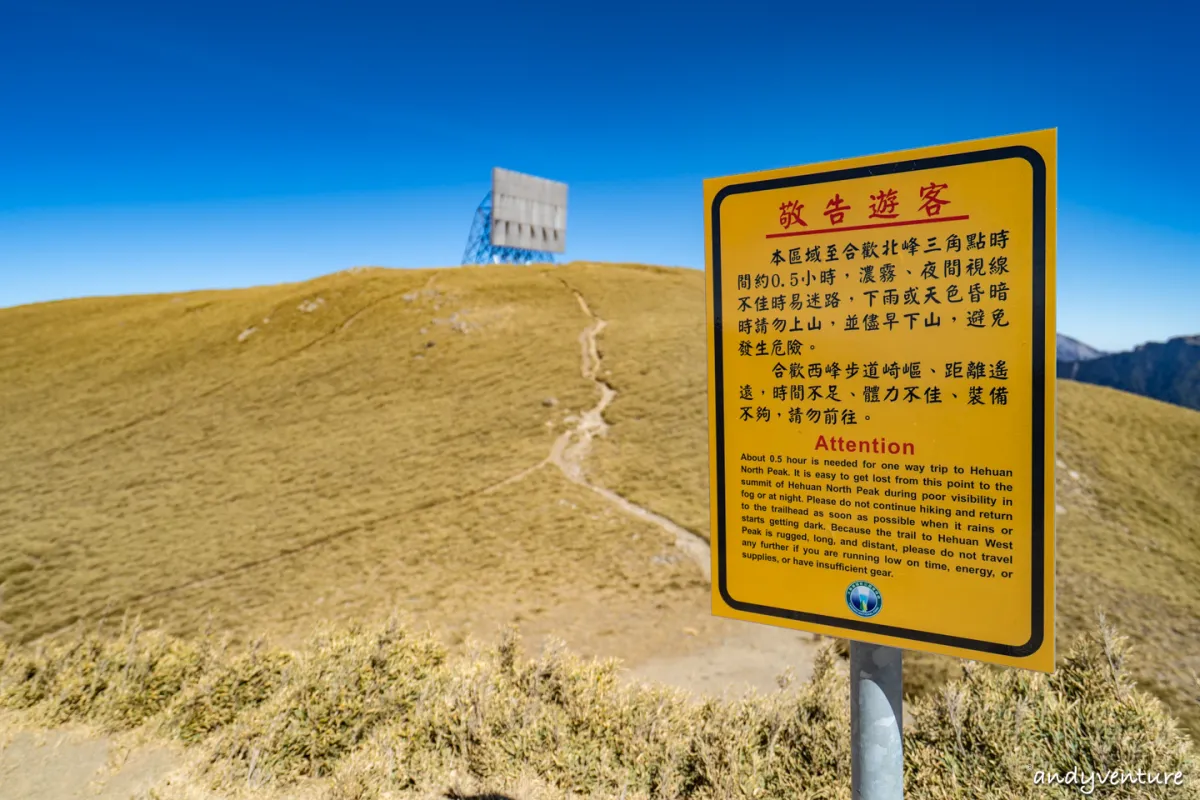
747,655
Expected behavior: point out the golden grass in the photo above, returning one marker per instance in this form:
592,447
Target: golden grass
333,465
385,712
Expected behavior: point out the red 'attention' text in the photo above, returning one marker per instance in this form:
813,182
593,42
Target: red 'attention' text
878,445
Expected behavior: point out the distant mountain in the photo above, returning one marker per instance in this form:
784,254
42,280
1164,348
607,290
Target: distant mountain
1074,350
1167,371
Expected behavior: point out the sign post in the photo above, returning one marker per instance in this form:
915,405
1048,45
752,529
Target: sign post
876,715
881,406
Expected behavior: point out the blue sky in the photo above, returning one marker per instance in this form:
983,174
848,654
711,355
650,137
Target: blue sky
174,146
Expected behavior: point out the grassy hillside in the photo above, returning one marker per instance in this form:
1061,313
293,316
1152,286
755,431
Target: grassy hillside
258,460
331,463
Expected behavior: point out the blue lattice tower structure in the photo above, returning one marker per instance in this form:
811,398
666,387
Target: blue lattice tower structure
480,249
522,220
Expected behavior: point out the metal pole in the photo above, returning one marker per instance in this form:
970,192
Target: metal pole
876,716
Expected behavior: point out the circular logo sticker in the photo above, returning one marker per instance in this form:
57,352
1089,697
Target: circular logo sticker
864,599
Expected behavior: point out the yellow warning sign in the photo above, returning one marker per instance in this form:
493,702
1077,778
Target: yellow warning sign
881,398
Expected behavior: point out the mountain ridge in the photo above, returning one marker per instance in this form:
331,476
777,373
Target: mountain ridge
1168,371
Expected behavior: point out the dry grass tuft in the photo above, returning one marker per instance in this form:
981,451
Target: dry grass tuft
343,685
576,726
383,712
245,682
988,733
118,683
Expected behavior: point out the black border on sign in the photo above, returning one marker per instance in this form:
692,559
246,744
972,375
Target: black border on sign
1038,423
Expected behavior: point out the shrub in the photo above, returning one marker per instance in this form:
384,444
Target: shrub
246,682
382,712
118,682
339,688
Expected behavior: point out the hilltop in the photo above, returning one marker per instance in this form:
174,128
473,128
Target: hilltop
473,446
